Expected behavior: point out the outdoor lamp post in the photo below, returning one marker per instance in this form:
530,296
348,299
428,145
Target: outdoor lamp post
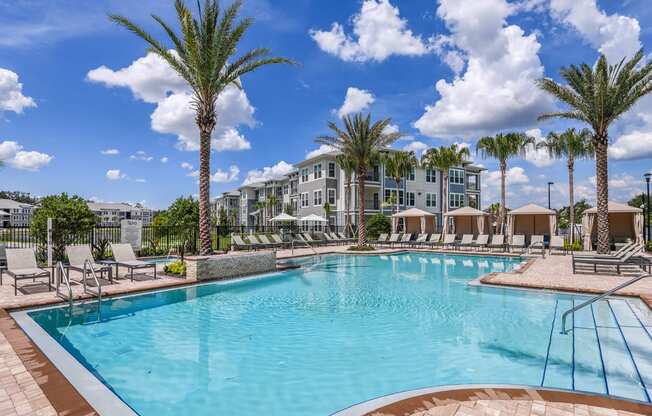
646,228
549,185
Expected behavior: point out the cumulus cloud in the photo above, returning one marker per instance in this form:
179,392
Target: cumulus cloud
355,101
225,177
496,90
513,176
614,35
11,93
13,155
417,147
141,180
322,149
538,157
115,175
378,32
186,166
110,152
164,159
632,146
276,171
141,155
151,80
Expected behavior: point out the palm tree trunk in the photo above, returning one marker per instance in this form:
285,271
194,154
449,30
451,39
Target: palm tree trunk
503,172
602,173
204,188
347,205
571,197
398,205
362,226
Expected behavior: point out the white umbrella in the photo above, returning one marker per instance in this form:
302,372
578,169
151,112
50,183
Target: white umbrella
283,217
313,217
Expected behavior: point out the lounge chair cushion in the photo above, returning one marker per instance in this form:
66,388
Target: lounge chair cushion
21,258
27,272
123,253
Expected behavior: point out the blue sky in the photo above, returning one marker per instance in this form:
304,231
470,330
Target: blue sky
84,110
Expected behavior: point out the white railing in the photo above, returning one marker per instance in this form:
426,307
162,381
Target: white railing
61,272
88,267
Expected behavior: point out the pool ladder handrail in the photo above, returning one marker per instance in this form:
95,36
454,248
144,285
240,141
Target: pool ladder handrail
61,271
597,298
309,246
88,267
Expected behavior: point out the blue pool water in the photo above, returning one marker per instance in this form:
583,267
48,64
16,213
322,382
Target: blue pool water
315,340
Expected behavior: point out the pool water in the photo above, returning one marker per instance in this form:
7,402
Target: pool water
346,329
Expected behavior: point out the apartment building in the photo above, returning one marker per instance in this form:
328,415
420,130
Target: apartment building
110,214
230,202
15,214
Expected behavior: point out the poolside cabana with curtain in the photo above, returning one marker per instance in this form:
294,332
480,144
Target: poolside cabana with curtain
467,220
530,220
625,222
415,221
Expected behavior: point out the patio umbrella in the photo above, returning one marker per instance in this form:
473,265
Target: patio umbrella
313,218
284,218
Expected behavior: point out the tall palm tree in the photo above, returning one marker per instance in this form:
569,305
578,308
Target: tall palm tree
259,206
271,202
348,166
397,166
503,147
205,57
444,158
598,96
572,145
361,141
327,213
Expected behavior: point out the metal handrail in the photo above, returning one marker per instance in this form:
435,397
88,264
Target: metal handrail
61,271
597,298
97,282
309,246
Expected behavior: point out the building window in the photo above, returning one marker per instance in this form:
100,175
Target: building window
331,197
304,174
473,201
286,189
410,199
317,198
431,200
472,182
431,175
331,169
412,174
455,200
456,176
304,200
317,171
390,192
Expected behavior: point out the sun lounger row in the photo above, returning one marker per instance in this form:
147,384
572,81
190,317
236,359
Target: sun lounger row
435,240
275,241
628,254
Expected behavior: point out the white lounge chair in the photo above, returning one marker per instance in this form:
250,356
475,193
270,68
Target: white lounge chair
497,241
557,243
77,257
467,241
449,240
434,240
421,238
21,265
536,243
124,256
518,241
481,241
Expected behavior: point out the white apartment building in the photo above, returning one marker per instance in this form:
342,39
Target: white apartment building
110,214
15,214
230,202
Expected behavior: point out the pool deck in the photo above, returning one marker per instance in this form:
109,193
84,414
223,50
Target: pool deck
31,385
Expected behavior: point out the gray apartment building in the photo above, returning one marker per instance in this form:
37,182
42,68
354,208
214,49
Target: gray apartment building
110,214
230,202
15,214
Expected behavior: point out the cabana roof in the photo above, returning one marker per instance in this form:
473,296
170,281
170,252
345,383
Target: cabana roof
615,208
283,217
531,209
465,212
413,212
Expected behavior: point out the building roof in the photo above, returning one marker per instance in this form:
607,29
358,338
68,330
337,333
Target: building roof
531,209
4,214
106,206
413,212
615,208
329,155
465,212
10,204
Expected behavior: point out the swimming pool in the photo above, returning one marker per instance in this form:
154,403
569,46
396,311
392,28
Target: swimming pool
346,329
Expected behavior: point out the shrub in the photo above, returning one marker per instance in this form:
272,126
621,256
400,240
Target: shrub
576,246
177,268
361,248
649,245
378,224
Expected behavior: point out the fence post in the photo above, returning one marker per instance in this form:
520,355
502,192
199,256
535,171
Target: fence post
49,242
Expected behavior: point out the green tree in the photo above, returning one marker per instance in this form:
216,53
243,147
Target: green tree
183,212
444,158
22,197
72,221
638,201
270,203
564,213
233,217
205,57
503,147
222,218
397,166
260,207
328,210
378,224
598,96
348,167
571,145
361,141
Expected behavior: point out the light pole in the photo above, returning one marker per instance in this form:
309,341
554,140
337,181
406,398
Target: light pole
549,185
646,228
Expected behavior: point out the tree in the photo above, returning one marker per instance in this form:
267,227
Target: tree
503,147
378,224
598,96
327,213
259,206
72,221
205,58
361,141
222,218
638,201
233,217
572,145
444,158
564,213
397,166
22,197
348,166
270,203
183,212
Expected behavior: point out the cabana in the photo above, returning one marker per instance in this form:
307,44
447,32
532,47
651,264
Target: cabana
314,219
284,218
415,221
625,222
467,220
530,220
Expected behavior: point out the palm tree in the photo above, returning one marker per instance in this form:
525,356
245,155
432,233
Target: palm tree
348,166
327,213
598,96
444,158
259,206
205,57
270,203
399,165
503,147
361,141
572,145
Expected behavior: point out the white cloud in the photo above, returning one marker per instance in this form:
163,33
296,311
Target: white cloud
141,180
417,147
631,146
225,177
141,155
13,155
391,128
538,157
110,152
379,32
277,171
355,101
150,79
164,159
186,165
614,35
496,91
11,93
513,176
115,175
322,149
